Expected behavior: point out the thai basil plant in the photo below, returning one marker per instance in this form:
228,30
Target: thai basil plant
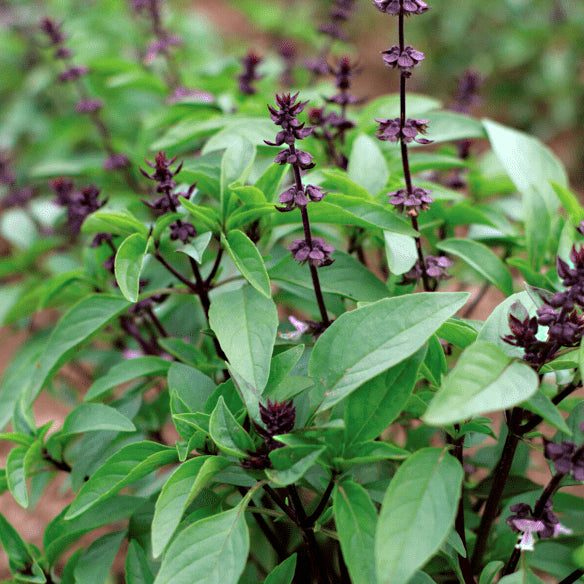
259,297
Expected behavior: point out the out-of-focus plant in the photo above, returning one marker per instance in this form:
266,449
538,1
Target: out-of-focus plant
283,384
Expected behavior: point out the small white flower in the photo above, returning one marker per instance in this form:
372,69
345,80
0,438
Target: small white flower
301,328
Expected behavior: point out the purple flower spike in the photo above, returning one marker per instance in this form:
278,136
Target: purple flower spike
88,106
250,63
392,131
318,255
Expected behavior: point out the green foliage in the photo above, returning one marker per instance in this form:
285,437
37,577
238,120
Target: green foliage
261,386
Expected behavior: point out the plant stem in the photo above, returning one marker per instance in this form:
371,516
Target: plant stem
313,517
150,312
500,477
404,154
308,237
573,577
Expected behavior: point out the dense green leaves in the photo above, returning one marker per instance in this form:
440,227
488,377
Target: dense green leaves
20,559
245,322
95,562
283,573
417,514
367,166
484,380
228,433
356,521
92,417
369,340
210,551
185,483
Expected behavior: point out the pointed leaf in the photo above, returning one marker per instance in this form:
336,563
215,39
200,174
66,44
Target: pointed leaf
484,380
377,403
417,514
364,342
185,483
211,551
248,260
125,371
115,222
197,247
128,265
138,569
91,417
356,521
245,323
283,573
19,557
15,475
228,433
367,166
482,259
96,561
83,320
400,251
290,463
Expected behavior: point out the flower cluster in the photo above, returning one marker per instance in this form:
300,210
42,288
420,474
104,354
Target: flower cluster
79,204
404,60
406,7
340,12
278,419
294,197
414,202
15,196
525,522
436,268
318,254
168,201
250,63
567,457
392,130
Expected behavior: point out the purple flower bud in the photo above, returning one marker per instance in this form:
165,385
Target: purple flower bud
116,161
182,230
53,31
73,73
418,200
394,7
88,106
392,131
318,255
560,454
160,46
250,63
404,60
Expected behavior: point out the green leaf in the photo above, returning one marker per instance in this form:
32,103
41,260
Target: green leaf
245,323
210,551
484,380
253,130
125,371
356,521
61,533
490,571
248,260
417,514
235,166
373,451
138,569
197,247
96,561
290,463
269,183
400,251
542,405
228,433
206,215
126,466
249,195
457,332
15,475
20,559
128,265
371,408
283,573
115,222
364,342
68,576
445,126
83,320
91,417
570,203
367,166
482,259
532,167
192,386
346,277
185,483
